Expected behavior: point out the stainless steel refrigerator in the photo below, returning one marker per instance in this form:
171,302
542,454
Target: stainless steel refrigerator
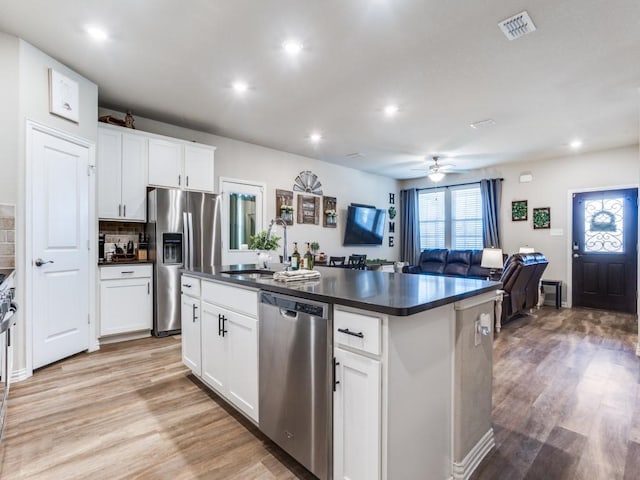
184,233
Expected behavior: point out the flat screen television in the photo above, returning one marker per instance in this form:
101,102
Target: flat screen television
365,225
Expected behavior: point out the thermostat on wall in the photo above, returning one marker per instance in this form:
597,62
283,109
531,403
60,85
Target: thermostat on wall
526,177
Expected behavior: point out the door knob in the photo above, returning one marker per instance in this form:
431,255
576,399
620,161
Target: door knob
576,255
39,262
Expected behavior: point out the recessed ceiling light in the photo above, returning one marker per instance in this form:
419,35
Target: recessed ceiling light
240,86
390,110
292,47
315,137
576,144
96,32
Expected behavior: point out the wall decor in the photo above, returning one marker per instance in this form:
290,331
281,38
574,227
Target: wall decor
519,210
284,205
392,212
307,182
392,227
542,217
329,212
64,96
127,122
391,240
392,198
308,209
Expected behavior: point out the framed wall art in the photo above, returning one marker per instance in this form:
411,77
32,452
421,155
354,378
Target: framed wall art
64,96
308,209
542,218
329,212
284,205
519,210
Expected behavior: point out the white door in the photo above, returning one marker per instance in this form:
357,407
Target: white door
198,168
356,417
191,353
60,243
134,177
109,173
214,352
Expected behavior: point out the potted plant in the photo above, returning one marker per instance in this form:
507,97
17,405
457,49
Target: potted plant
315,246
264,244
331,216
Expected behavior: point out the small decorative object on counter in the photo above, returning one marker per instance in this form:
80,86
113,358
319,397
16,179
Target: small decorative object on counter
307,261
295,257
264,243
315,246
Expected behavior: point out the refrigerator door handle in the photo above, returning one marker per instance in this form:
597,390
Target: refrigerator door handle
185,241
190,240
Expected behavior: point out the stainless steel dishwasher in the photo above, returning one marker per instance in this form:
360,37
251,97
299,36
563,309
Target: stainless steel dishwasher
295,345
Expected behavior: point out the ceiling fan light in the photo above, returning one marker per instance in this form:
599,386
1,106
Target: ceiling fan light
435,176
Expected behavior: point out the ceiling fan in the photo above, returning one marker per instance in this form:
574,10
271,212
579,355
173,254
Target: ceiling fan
437,171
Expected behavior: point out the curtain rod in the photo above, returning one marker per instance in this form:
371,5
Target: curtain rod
457,184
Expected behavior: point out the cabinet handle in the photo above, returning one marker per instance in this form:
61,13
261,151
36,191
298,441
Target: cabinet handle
179,179
335,382
148,288
124,209
119,210
349,332
186,285
221,329
187,180
128,271
195,307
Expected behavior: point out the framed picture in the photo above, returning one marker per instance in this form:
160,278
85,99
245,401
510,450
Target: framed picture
64,96
542,217
329,212
284,205
308,209
519,211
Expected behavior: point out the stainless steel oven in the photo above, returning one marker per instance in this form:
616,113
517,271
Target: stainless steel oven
8,310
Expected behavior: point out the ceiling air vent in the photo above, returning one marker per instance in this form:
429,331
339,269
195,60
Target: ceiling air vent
354,155
517,26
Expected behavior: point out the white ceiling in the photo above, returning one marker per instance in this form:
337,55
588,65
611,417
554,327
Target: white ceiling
445,63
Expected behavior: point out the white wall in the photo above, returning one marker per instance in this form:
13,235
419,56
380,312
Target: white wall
552,181
9,119
241,160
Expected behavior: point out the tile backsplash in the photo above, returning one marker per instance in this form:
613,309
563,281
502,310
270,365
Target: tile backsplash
121,233
7,236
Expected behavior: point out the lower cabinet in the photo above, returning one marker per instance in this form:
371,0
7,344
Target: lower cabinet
220,344
126,299
191,321
356,417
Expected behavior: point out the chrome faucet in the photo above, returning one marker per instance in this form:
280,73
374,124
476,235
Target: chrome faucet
285,258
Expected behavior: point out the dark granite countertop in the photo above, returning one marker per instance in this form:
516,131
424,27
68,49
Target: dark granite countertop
5,273
397,294
124,262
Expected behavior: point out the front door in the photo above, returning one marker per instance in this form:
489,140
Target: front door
604,249
60,264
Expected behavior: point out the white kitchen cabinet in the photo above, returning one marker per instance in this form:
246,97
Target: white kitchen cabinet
214,355
178,164
126,299
191,324
356,417
122,174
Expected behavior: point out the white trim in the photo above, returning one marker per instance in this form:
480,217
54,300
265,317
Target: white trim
31,127
19,375
569,264
464,469
124,337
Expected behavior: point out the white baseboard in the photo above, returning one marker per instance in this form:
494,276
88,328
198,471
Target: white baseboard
124,337
464,469
19,375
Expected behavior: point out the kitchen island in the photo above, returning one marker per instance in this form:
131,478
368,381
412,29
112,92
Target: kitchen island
412,370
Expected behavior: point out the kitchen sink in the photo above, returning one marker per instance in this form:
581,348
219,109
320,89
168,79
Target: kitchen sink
251,273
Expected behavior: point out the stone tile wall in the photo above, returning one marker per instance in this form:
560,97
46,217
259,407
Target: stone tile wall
121,233
7,236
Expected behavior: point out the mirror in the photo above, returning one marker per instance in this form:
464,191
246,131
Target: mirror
242,220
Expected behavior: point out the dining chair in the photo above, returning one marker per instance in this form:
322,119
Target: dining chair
336,261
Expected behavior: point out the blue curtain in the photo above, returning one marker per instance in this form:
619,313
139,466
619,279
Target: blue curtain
491,191
409,226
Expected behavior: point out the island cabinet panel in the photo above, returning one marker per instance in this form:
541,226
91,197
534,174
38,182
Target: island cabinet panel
356,417
191,350
225,339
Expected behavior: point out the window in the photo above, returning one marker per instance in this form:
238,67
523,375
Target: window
451,217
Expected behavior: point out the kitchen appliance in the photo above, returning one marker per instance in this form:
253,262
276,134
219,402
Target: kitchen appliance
295,345
7,320
183,231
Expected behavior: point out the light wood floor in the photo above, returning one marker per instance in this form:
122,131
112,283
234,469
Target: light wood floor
566,406
131,411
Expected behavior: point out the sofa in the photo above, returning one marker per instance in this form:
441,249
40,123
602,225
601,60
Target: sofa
457,263
520,277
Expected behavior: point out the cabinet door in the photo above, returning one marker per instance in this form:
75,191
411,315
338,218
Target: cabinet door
134,177
198,168
356,418
242,348
165,163
214,348
109,174
191,353
125,305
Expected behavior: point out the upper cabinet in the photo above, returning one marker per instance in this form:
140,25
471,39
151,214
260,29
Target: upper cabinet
180,164
122,174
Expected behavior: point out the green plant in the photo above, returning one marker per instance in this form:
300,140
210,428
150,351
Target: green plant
315,246
261,242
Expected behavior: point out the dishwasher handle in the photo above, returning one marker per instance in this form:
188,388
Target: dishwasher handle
288,314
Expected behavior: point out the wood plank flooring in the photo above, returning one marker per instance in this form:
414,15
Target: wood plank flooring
566,406
131,411
566,400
